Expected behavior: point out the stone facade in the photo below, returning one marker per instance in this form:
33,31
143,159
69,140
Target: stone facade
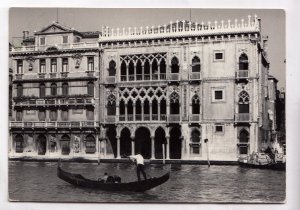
178,91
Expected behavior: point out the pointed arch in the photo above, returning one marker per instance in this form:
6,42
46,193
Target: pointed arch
195,104
243,102
243,62
112,68
196,64
174,65
123,71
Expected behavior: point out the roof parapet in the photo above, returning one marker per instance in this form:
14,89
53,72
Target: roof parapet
181,28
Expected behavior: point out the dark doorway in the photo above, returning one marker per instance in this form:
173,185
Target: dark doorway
19,143
41,145
143,142
175,143
112,141
160,139
65,145
125,142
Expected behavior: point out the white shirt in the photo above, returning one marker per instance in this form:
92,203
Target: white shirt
139,158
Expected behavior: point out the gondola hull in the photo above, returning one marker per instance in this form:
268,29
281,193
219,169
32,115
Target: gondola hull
141,186
274,166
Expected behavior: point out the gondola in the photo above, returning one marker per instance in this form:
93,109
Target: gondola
279,166
137,186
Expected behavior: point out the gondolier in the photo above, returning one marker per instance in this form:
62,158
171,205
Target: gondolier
139,160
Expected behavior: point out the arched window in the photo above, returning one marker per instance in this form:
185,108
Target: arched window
90,89
243,102
131,71
174,103
111,105
65,89
146,70
139,70
146,110
90,113
154,70
53,89
19,115
122,110
196,66
162,69
174,65
53,115
195,104
19,90
90,144
130,110
243,62
112,68
123,71
42,90
19,143
138,110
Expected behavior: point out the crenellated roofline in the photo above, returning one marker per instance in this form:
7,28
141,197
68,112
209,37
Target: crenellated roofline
181,29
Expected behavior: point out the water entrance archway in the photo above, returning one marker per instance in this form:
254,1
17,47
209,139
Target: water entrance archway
143,142
125,142
175,143
160,139
41,145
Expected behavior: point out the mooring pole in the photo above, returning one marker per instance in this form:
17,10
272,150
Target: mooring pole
206,141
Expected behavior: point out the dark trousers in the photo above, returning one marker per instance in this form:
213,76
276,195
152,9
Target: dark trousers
139,169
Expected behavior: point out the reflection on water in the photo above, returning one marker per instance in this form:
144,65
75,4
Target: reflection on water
30,181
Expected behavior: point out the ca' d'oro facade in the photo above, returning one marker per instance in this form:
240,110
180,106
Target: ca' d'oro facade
162,91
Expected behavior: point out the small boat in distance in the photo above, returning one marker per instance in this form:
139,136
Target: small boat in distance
263,161
137,186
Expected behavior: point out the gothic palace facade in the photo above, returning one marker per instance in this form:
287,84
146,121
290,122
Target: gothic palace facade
175,91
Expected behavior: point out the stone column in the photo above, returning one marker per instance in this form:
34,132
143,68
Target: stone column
152,148
158,111
118,110
126,115
127,72
150,111
183,154
132,145
134,111
142,71
105,147
168,147
142,110
118,147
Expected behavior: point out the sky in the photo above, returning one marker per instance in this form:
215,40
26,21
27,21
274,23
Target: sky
34,19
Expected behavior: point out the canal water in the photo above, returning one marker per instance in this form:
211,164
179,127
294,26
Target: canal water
37,181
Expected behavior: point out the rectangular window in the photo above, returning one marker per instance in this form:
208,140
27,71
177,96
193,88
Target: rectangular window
54,65
65,65
219,128
218,56
19,66
53,115
65,39
90,114
218,95
42,115
42,41
64,115
243,150
90,63
42,66
19,115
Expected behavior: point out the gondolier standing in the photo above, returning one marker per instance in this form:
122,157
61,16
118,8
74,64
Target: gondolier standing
139,160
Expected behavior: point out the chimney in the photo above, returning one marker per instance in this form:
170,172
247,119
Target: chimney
25,34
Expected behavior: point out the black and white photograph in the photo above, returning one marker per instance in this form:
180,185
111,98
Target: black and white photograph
147,105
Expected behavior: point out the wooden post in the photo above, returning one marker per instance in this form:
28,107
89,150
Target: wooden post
206,141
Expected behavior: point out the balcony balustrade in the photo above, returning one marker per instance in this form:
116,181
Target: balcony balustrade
195,76
78,45
110,79
174,76
242,117
110,119
174,118
140,77
137,117
61,101
242,74
194,117
58,124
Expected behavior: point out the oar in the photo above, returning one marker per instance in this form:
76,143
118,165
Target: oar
206,141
